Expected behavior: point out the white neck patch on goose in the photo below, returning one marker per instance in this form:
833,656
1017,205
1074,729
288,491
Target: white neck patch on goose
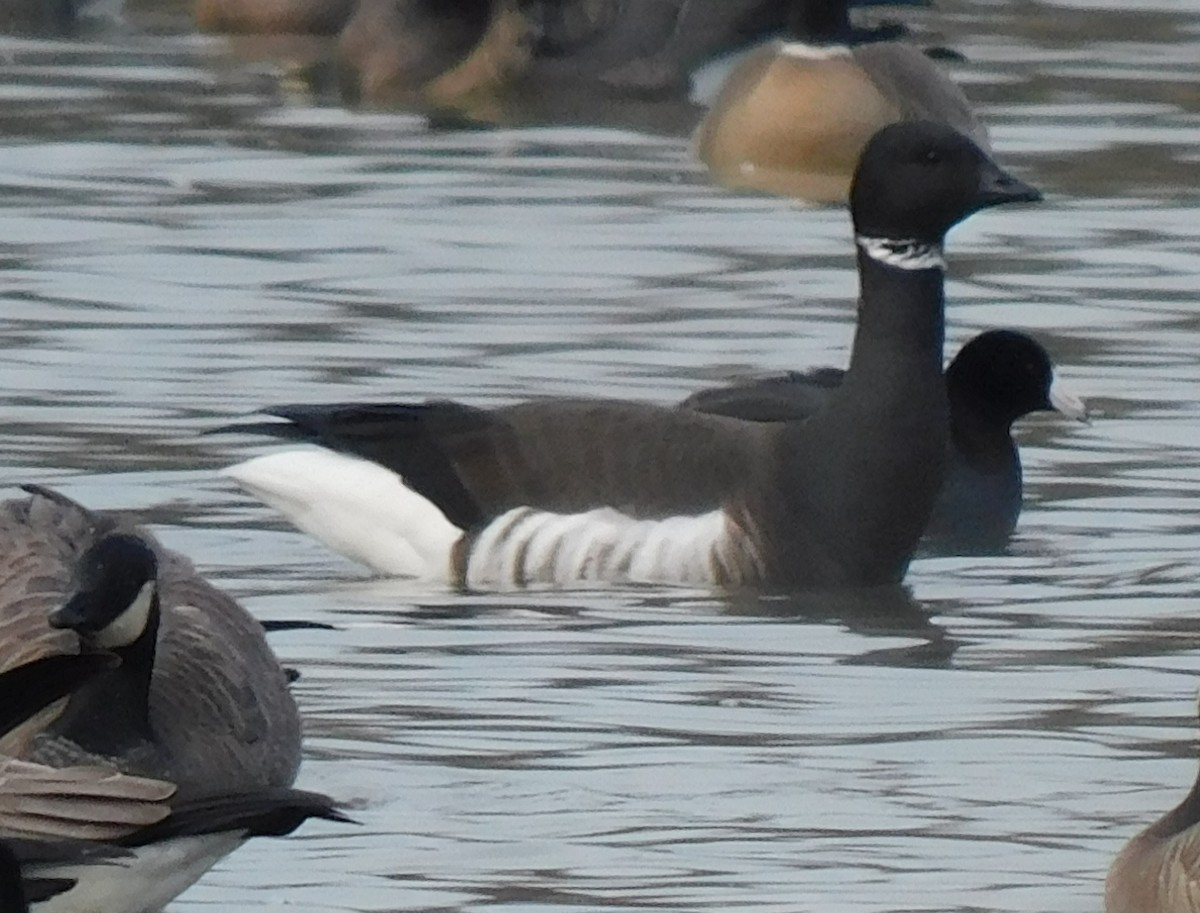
129,625
802,51
903,254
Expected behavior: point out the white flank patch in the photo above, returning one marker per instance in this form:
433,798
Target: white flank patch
903,254
129,625
802,51
142,883
526,546
357,508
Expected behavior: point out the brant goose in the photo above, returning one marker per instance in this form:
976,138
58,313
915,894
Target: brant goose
559,491
199,699
82,839
1158,870
995,379
793,116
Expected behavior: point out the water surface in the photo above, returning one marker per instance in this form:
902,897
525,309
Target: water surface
187,235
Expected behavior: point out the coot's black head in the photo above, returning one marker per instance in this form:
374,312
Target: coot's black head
917,179
1004,375
114,600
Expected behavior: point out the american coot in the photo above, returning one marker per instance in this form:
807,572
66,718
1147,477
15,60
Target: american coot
563,490
995,379
86,838
199,700
1159,869
793,115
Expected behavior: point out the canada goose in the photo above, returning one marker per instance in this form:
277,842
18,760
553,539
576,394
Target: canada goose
794,115
86,839
455,53
995,379
273,17
203,703
558,491
1159,869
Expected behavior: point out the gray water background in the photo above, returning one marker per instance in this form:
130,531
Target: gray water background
185,235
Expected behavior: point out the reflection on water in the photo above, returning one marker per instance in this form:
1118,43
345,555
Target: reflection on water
186,236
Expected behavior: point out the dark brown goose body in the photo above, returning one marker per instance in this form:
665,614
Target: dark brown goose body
839,499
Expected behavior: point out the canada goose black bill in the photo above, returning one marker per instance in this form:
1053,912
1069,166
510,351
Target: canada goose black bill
114,607
115,599
562,491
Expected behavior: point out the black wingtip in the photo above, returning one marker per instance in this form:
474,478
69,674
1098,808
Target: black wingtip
283,430
50,494
289,624
270,813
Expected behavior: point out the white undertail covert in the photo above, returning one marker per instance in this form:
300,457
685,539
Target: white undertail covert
365,512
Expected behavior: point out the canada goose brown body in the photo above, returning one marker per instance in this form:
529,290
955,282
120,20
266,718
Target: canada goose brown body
274,17
1158,871
794,115
481,55
222,717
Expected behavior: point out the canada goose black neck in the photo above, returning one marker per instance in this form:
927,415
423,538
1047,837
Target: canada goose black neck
1183,816
12,894
115,609
820,22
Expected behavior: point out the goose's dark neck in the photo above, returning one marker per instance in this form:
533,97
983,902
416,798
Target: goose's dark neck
819,21
1184,815
12,893
113,710
900,319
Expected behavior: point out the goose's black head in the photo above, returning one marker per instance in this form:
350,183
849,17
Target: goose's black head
114,602
1003,375
917,179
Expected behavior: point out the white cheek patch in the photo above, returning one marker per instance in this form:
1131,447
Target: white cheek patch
903,254
129,625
